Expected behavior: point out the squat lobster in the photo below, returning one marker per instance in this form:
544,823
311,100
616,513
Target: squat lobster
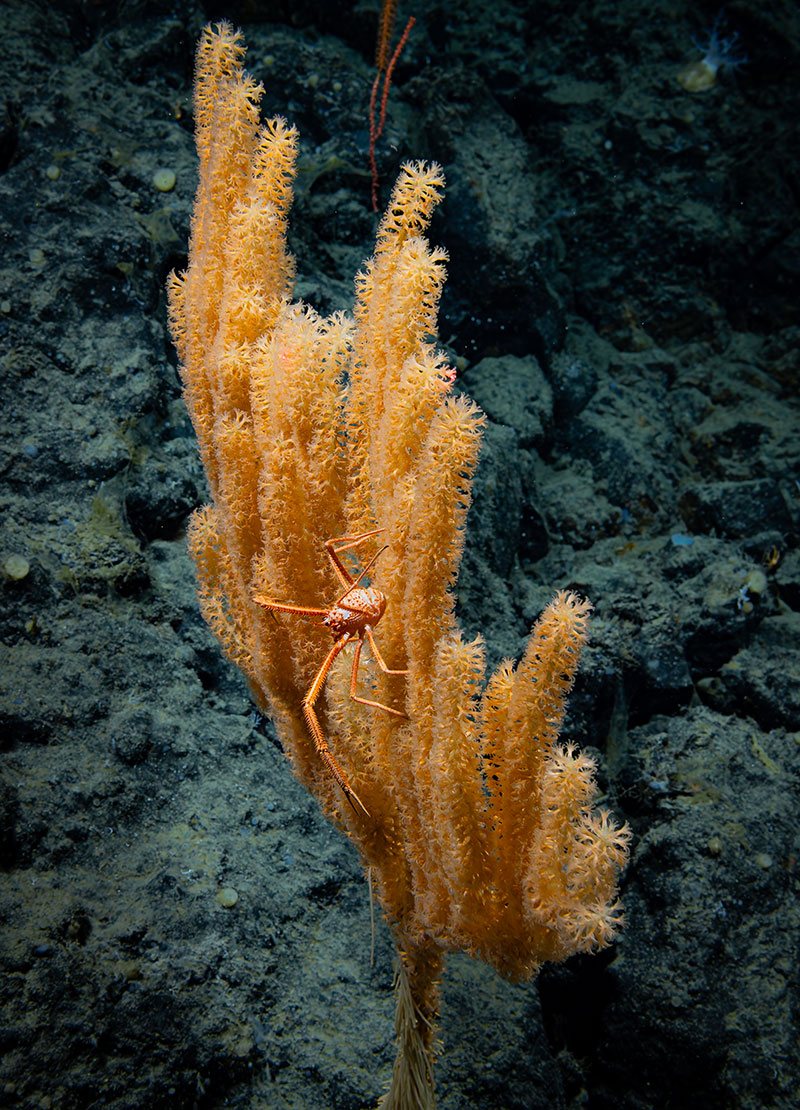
353,615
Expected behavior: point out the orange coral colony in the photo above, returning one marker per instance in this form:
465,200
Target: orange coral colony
477,824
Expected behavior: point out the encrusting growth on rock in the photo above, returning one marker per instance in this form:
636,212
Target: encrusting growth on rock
477,823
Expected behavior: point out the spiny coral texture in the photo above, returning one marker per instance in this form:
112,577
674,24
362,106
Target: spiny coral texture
482,834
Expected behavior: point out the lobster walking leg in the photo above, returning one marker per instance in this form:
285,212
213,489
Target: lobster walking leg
316,730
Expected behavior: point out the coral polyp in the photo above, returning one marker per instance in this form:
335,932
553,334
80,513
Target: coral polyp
720,53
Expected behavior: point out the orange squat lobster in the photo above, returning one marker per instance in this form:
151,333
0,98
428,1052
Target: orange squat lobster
354,614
